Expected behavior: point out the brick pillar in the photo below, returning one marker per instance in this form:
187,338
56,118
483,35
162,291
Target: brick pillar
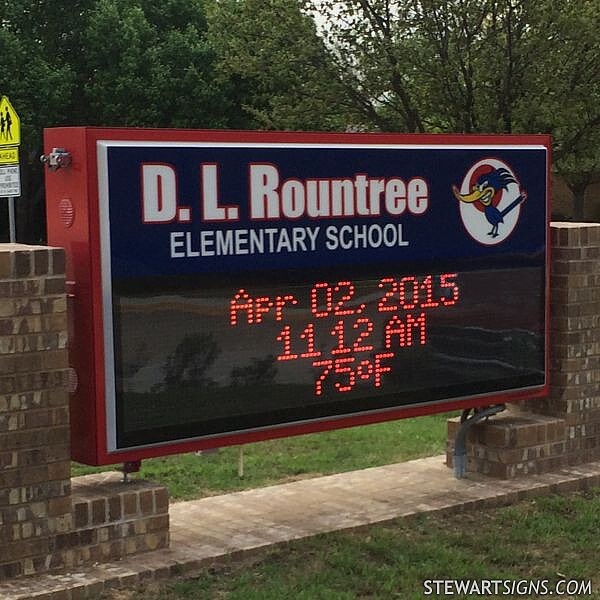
35,501
575,339
545,434
43,526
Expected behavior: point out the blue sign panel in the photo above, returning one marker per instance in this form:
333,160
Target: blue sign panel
258,285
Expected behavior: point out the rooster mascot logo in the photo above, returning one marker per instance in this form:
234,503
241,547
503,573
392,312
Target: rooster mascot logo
490,200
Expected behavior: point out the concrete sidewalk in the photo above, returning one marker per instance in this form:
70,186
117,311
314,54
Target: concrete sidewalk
210,528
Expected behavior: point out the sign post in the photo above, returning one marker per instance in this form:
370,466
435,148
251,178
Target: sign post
231,287
10,174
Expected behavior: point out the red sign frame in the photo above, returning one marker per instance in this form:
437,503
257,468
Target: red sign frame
74,223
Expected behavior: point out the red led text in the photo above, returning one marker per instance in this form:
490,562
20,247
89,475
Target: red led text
354,331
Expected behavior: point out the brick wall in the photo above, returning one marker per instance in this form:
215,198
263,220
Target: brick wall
575,338
35,486
45,521
512,444
544,434
112,519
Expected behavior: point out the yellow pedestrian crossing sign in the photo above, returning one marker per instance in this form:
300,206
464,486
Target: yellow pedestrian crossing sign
10,124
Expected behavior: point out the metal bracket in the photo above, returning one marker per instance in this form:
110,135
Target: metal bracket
460,442
132,466
57,159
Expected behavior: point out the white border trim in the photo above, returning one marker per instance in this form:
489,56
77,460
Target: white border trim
107,304
324,144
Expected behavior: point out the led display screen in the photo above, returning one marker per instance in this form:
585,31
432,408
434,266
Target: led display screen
253,286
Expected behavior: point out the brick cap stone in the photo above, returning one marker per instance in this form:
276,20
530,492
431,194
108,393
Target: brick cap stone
107,483
571,225
24,247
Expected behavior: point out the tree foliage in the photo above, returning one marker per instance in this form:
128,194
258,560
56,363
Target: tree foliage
566,78
273,51
39,85
141,63
162,68
503,66
105,62
392,65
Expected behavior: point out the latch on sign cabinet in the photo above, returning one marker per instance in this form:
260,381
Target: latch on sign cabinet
58,158
70,289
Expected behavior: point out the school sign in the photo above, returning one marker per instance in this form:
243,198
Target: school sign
236,286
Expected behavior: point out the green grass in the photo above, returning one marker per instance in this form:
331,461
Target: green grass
548,538
190,476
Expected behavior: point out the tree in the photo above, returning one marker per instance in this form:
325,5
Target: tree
280,65
475,66
38,87
567,78
141,63
410,65
150,66
105,62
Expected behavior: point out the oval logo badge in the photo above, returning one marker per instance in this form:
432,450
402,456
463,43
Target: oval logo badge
490,200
